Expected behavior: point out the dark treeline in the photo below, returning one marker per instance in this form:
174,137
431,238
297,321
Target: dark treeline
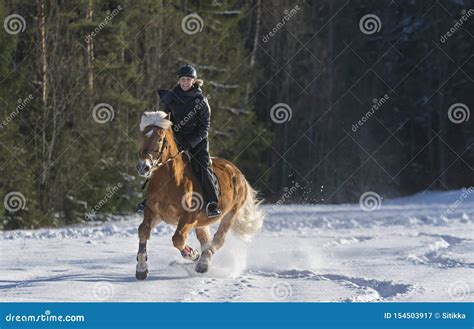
312,104
331,73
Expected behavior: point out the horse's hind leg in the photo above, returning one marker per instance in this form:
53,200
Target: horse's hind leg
218,240
150,220
203,234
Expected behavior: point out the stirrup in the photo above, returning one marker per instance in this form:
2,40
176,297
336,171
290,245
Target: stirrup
217,211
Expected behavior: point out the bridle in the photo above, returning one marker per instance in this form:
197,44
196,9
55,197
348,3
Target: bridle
149,153
156,163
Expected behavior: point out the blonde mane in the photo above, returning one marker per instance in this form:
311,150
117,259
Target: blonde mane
157,118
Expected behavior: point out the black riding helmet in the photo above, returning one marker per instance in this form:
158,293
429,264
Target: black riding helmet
187,71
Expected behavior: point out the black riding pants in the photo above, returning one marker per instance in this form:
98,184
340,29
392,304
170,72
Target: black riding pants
201,164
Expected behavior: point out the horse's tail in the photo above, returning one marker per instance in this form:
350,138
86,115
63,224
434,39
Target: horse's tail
249,219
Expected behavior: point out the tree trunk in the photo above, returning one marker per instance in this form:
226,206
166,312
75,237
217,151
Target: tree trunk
254,48
43,175
90,56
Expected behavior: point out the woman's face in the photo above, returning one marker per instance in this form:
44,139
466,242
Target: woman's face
186,83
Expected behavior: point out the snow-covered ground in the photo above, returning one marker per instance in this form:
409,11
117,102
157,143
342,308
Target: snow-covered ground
410,249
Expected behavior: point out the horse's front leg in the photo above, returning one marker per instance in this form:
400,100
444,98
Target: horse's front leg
185,225
149,221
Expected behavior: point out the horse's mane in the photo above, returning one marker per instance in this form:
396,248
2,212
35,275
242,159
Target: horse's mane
172,150
157,118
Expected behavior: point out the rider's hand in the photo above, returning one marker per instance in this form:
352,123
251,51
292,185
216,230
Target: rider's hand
186,156
184,146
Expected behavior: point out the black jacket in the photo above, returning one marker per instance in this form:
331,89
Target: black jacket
190,114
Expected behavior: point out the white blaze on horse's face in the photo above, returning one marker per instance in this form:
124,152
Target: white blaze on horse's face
150,147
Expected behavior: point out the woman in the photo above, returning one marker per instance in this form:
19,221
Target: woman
190,114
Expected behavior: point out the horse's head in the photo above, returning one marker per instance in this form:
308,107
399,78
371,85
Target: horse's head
153,128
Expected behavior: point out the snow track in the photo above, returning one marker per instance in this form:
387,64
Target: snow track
408,250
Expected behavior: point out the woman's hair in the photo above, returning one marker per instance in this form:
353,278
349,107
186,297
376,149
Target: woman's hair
199,82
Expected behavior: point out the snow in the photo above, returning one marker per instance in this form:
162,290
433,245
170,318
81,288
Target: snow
410,249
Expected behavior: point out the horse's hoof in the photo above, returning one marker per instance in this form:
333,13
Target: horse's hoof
190,254
141,270
202,267
141,275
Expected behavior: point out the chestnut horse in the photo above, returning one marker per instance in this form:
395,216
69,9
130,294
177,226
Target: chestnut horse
174,196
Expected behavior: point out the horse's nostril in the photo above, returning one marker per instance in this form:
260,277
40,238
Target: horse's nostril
146,168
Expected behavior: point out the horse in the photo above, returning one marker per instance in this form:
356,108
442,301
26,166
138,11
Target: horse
174,196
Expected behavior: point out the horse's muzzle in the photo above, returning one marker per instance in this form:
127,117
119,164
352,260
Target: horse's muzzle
143,168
